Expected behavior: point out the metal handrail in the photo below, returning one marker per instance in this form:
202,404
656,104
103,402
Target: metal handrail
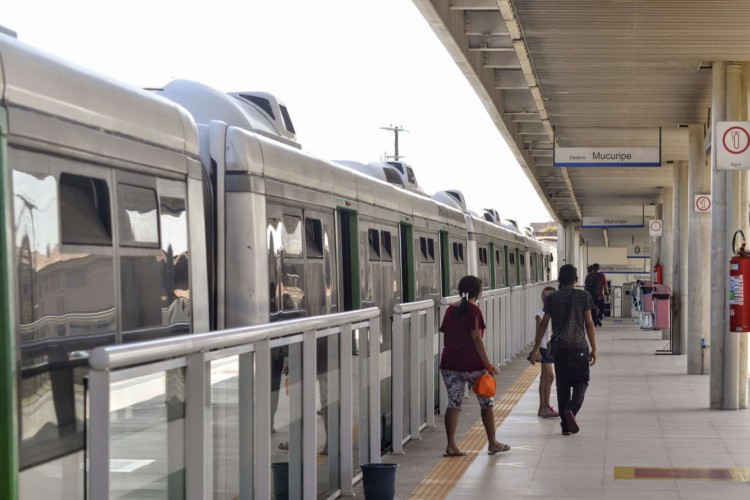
413,306
118,356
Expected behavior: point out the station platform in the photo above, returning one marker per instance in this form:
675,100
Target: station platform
645,433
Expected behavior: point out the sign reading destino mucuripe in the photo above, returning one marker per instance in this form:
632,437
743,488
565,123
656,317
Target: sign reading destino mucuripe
607,157
604,222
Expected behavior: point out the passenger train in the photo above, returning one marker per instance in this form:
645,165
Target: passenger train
134,214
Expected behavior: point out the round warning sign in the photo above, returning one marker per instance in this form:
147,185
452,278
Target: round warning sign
736,140
655,227
702,203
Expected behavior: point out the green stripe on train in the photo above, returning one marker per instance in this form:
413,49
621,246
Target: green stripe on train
8,399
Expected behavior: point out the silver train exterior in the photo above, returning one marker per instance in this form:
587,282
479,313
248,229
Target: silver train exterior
131,222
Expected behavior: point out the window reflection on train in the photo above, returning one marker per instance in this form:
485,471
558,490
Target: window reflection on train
67,291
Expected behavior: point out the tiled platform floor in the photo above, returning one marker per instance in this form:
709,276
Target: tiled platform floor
641,410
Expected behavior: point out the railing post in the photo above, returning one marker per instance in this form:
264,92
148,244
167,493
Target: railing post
197,428
98,433
246,418
374,372
415,336
397,394
263,420
442,393
309,424
347,412
430,369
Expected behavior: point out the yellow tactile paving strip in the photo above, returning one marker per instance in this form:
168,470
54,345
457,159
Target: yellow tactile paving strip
441,480
672,473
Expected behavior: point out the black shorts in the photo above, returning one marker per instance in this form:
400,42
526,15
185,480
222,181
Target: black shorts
545,357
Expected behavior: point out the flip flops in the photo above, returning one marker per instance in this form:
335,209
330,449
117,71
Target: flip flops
503,448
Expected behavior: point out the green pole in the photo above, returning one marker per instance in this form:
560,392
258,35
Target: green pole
8,399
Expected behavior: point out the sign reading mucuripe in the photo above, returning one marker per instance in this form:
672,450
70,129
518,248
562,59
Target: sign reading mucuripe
732,142
607,157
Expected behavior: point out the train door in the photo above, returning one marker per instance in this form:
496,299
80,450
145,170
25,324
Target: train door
66,293
513,267
483,265
321,296
493,271
445,264
380,262
500,267
427,259
286,274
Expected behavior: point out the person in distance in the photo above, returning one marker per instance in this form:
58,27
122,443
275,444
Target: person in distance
570,312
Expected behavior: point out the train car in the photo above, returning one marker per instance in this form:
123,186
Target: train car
296,235
105,244
126,221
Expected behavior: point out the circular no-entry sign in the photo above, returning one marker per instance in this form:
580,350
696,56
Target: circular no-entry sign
703,203
736,140
655,226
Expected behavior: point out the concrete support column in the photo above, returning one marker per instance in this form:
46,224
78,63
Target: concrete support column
679,257
561,244
733,223
719,259
699,257
667,247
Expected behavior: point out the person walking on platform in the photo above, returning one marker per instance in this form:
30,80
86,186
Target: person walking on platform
596,285
548,374
463,361
570,312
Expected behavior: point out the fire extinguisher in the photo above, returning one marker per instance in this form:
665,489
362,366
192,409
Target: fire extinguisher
739,287
658,270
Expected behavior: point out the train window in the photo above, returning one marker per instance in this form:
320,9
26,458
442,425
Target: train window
175,265
313,238
455,251
392,177
84,211
427,247
373,235
512,258
387,250
137,215
497,256
291,237
287,119
522,259
410,175
460,247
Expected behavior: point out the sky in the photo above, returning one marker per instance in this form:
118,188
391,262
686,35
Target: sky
344,68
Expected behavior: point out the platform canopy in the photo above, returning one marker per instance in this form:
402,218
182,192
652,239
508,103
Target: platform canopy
583,74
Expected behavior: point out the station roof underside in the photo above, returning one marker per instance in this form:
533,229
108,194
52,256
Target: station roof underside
593,74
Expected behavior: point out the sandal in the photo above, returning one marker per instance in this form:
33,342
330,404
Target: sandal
503,447
455,454
284,446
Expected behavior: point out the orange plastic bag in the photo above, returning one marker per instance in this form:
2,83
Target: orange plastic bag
485,386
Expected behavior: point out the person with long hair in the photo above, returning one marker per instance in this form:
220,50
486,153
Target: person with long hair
463,361
572,322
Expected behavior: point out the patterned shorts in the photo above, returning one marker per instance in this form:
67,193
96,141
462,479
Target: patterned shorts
455,383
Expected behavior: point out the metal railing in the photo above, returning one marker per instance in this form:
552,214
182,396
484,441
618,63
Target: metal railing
413,370
211,430
195,356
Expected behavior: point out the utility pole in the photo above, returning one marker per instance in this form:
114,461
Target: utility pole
395,131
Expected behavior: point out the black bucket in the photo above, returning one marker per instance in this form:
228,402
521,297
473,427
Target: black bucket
280,473
379,481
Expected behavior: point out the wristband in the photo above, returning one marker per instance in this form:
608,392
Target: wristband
490,367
